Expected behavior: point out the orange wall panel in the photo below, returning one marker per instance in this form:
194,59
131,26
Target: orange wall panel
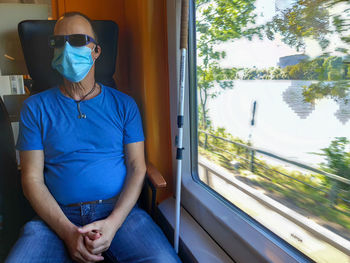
148,79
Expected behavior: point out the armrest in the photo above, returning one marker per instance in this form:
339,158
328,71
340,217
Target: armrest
155,177
155,180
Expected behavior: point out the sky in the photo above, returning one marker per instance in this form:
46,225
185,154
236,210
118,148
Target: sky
266,53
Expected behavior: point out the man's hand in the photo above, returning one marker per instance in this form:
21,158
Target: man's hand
77,249
98,235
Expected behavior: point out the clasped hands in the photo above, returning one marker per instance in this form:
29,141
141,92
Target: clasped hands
87,243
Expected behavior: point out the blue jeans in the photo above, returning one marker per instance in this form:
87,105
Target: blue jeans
139,239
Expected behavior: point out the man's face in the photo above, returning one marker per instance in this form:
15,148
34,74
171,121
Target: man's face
74,25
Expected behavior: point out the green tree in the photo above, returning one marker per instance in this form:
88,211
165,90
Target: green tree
217,22
338,163
333,68
304,19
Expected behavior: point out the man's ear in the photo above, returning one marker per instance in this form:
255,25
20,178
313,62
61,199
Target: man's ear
97,51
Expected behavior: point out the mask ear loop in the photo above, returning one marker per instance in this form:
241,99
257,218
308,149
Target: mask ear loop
95,49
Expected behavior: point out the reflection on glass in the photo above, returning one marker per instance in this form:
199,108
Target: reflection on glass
293,96
292,58
343,113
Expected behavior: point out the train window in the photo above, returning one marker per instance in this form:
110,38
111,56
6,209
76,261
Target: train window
273,116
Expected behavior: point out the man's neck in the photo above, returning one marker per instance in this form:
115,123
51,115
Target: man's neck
78,90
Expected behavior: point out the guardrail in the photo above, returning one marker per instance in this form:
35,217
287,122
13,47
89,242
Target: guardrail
254,150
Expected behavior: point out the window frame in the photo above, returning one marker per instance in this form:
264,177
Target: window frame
239,235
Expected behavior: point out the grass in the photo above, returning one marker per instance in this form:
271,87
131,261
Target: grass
306,200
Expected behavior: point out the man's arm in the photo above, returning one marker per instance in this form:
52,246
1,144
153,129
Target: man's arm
136,170
37,193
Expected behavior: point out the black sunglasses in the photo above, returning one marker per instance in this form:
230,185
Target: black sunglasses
76,40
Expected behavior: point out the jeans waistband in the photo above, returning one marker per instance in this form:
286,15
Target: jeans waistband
109,200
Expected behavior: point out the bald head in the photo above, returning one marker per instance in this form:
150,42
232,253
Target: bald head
74,23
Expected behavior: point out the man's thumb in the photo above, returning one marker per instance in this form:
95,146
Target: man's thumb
85,229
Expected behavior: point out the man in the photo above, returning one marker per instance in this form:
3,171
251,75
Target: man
82,157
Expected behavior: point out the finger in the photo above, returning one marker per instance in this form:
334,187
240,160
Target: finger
89,256
93,244
99,250
79,258
94,247
87,228
89,243
93,235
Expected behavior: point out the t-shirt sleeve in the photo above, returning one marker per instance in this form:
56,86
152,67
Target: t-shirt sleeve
29,137
133,131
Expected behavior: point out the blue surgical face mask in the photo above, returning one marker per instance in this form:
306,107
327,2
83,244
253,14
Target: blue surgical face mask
74,63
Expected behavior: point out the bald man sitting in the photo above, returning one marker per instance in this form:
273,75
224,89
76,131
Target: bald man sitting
82,156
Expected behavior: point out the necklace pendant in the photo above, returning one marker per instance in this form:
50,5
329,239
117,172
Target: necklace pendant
82,116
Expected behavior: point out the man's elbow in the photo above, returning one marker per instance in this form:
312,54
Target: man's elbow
140,170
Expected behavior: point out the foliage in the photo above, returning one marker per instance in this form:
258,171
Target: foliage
335,90
338,157
307,193
270,73
217,22
309,19
323,68
305,18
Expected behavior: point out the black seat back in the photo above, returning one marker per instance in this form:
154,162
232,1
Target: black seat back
15,209
34,36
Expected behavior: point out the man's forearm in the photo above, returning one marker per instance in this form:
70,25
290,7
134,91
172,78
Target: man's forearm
46,206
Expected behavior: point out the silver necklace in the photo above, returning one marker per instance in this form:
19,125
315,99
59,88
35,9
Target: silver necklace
83,115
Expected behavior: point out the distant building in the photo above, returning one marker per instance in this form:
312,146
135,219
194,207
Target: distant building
291,60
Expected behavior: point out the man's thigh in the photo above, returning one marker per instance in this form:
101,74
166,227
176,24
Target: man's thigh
140,240
38,243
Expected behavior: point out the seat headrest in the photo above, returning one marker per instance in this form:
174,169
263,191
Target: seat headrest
38,56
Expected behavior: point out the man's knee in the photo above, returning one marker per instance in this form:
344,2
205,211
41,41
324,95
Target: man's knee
37,243
35,228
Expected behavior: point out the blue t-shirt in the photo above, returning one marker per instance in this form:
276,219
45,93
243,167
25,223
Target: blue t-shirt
84,158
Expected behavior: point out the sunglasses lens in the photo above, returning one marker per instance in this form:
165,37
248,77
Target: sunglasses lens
77,40
56,41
